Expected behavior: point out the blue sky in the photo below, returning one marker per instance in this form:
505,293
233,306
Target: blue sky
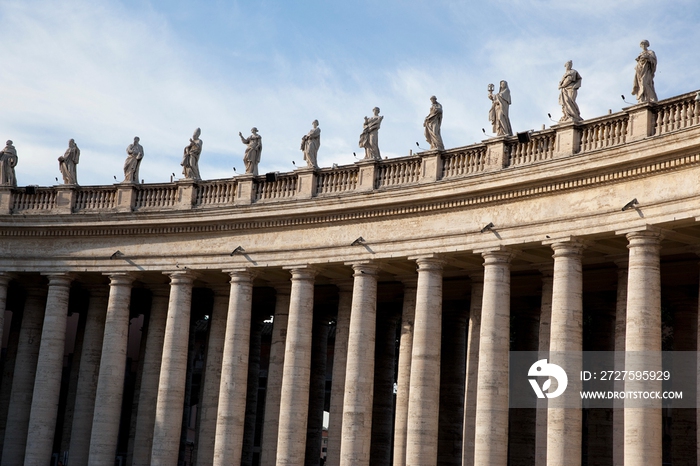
102,72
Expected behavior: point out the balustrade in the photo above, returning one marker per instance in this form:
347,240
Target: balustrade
606,133
215,192
38,199
464,162
677,114
95,199
283,187
337,180
155,196
539,148
398,172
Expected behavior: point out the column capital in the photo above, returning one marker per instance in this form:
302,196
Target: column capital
429,263
5,278
120,278
345,285
59,279
364,268
410,282
572,247
222,290
282,288
181,277
649,237
497,255
622,263
547,271
476,276
302,272
241,275
159,290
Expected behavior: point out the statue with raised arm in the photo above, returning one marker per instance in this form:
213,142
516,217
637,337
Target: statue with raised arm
568,90
310,143
369,139
133,161
251,159
432,125
643,86
68,163
190,157
8,162
500,105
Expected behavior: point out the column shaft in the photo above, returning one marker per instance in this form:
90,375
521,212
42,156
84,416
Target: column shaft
317,391
472,370
4,282
491,425
209,403
383,398
23,380
47,385
148,393
403,380
566,339
620,325
273,391
544,335
359,373
294,401
643,425
424,395
234,371
87,378
173,372
110,384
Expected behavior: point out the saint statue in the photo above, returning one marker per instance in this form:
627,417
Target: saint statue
8,162
190,157
432,125
369,139
68,163
643,86
251,159
310,143
499,110
133,161
568,89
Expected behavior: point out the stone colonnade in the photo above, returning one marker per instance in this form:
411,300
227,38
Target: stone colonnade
158,430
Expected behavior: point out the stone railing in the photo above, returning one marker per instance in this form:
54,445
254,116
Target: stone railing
398,171
631,125
95,198
215,193
539,148
464,161
336,180
604,132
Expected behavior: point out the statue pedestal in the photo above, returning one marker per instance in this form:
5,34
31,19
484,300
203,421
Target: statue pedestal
366,175
5,200
126,196
244,190
186,191
496,153
641,122
568,139
306,183
65,198
431,166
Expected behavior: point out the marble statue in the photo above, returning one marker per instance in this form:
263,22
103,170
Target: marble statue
568,89
643,86
251,159
8,162
310,143
190,157
369,139
68,163
499,110
133,161
432,125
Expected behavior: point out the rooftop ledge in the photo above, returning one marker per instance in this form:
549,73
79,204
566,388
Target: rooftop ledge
614,131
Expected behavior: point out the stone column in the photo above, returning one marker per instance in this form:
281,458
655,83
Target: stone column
359,373
4,282
47,384
110,384
545,328
472,370
173,372
620,325
317,390
404,373
234,371
209,403
566,335
643,426
81,429
294,401
683,420
273,391
148,393
23,380
340,354
8,372
424,396
491,425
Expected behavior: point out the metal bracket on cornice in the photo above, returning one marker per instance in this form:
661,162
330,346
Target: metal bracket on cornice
117,254
359,241
238,250
631,204
488,227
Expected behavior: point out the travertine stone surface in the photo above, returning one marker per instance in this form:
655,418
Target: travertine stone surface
23,380
620,327
173,370
643,427
47,385
294,402
544,335
340,354
566,335
404,372
148,394
491,431
424,395
234,371
317,390
4,281
81,429
359,374
472,369
209,402
110,383
274,375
